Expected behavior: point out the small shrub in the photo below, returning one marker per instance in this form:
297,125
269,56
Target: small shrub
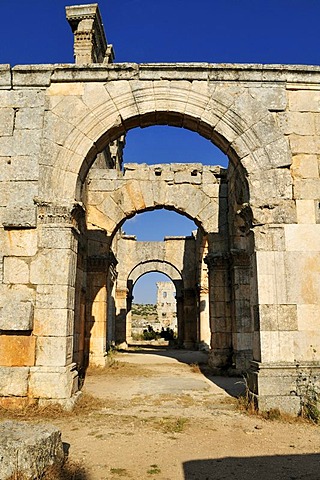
153,470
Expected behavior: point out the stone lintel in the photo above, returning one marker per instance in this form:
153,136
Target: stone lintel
35,76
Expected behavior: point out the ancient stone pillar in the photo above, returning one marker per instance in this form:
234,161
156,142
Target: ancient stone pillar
204,319
121,315
220,318
242,324
90,43
96,325
53,273
180,318
190,318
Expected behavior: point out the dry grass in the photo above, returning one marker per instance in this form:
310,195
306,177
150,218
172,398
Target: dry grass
121,369
86,404
168,425
69,471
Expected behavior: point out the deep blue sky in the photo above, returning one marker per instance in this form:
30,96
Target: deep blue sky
142,31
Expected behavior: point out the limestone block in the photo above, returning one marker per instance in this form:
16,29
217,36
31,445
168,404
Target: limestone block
242,341
303,270
305,166
271,184
56,128
26,142
306,189
22,98
306,211
53,322
304,144
53,267
272,277
277,346
31,75
28,449
29,118
278,318
99,221
53,382
285,403
302,238
55,296
14,381
93,94
136,196
20,217
308,317
16,308
7,117
5,76
54,351
194,177
274,98
278,213
70,89
57,237
269,238
20,243
18,168
304,100
277,383
121,94
297,123
307,346
17,350
16,270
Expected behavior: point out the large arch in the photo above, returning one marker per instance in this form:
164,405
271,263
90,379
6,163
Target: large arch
100,112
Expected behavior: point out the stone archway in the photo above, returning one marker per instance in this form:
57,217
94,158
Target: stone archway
176,278
259,306
84,117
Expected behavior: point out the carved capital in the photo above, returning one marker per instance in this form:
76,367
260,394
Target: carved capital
69,215
217,260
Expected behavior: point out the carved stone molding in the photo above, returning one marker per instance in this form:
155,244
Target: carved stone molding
217,260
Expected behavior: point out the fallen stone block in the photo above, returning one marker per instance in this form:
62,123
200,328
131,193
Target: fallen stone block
28,450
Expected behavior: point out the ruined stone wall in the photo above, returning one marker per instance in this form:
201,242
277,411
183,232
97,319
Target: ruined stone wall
55,119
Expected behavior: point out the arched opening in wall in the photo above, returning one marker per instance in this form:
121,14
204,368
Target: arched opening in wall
214,197
154,310
168,243
162,144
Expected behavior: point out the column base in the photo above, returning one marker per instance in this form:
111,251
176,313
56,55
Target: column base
286,387
54,383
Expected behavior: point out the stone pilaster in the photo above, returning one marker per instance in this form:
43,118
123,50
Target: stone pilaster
242,321
220,319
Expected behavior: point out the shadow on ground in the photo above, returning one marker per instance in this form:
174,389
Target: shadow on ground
280,467
233,386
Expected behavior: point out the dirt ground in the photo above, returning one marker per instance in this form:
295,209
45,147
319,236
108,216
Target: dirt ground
156,416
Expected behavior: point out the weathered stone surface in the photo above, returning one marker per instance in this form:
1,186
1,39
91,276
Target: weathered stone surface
28,449
14,381
16,307
17,350
53,382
